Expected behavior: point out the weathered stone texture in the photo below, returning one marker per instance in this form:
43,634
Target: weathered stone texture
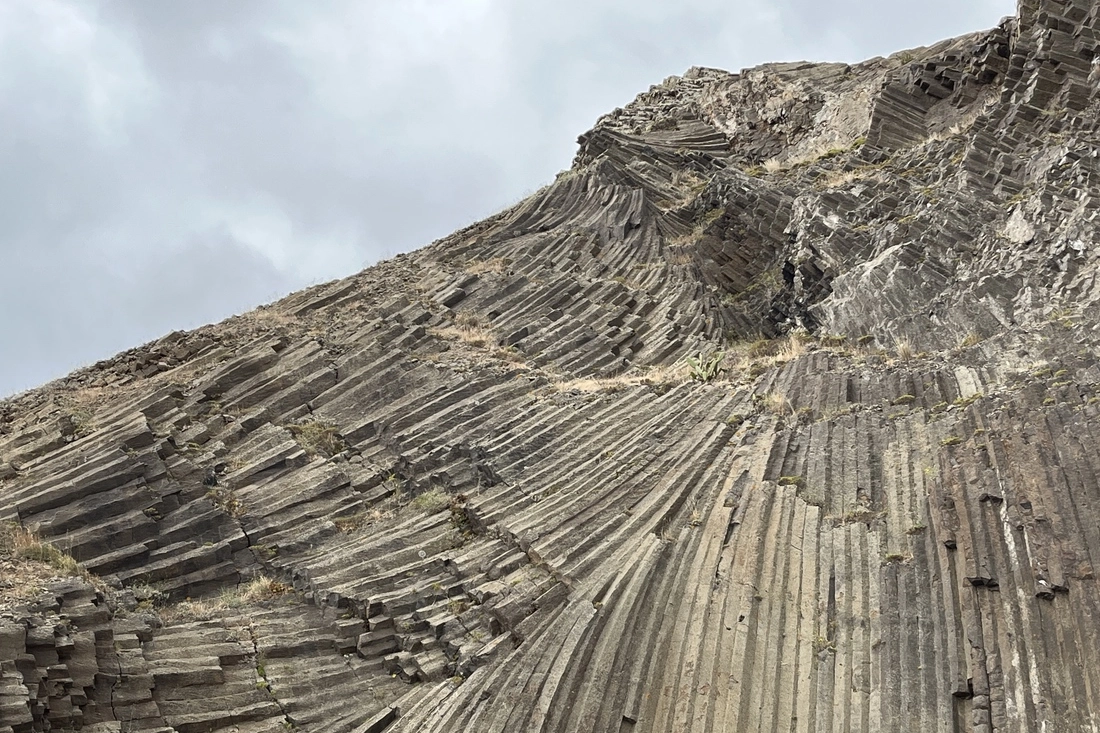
502,508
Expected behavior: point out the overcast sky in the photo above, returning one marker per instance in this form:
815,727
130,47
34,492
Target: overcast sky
167,164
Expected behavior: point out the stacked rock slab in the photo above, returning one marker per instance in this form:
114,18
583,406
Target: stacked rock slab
502,504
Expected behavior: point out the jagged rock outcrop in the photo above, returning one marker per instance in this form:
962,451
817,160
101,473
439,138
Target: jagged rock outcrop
501,502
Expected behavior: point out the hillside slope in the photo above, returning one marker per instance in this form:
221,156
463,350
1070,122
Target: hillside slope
480,487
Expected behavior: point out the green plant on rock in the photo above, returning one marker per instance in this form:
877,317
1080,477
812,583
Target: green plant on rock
967,401
736,419
706,369
430,501
824,644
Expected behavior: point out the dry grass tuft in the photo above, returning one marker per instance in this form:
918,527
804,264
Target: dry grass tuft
776,404
256,591
903,348
496,265
317,438
470,328
667,375
794,347
471,321
509,354
658,376
226,500
971,339
592,384
477,338
679,254
689,182
739,360
27,545
750,358
29,565
262,588
355,522
385,509
820,150
269,317
81,407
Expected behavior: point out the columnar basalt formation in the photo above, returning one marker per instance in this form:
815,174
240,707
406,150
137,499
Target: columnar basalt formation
494,498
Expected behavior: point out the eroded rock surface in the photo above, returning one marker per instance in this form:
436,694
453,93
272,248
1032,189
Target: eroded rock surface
503,505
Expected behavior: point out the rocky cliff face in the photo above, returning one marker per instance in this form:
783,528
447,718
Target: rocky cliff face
480,488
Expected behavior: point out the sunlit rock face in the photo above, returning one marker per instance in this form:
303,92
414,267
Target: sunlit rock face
777,412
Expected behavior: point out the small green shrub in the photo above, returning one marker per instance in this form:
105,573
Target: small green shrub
431,501
706,369
967,401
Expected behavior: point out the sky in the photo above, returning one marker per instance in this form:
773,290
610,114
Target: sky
169,164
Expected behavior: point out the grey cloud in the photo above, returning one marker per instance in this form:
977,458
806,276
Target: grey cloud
85,306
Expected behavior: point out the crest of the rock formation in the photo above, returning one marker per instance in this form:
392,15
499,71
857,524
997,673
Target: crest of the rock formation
778,411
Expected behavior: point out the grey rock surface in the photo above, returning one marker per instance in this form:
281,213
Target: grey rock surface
495,499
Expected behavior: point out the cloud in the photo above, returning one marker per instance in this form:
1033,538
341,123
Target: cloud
172,163
86,308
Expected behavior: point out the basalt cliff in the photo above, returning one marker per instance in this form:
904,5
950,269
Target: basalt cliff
778,411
